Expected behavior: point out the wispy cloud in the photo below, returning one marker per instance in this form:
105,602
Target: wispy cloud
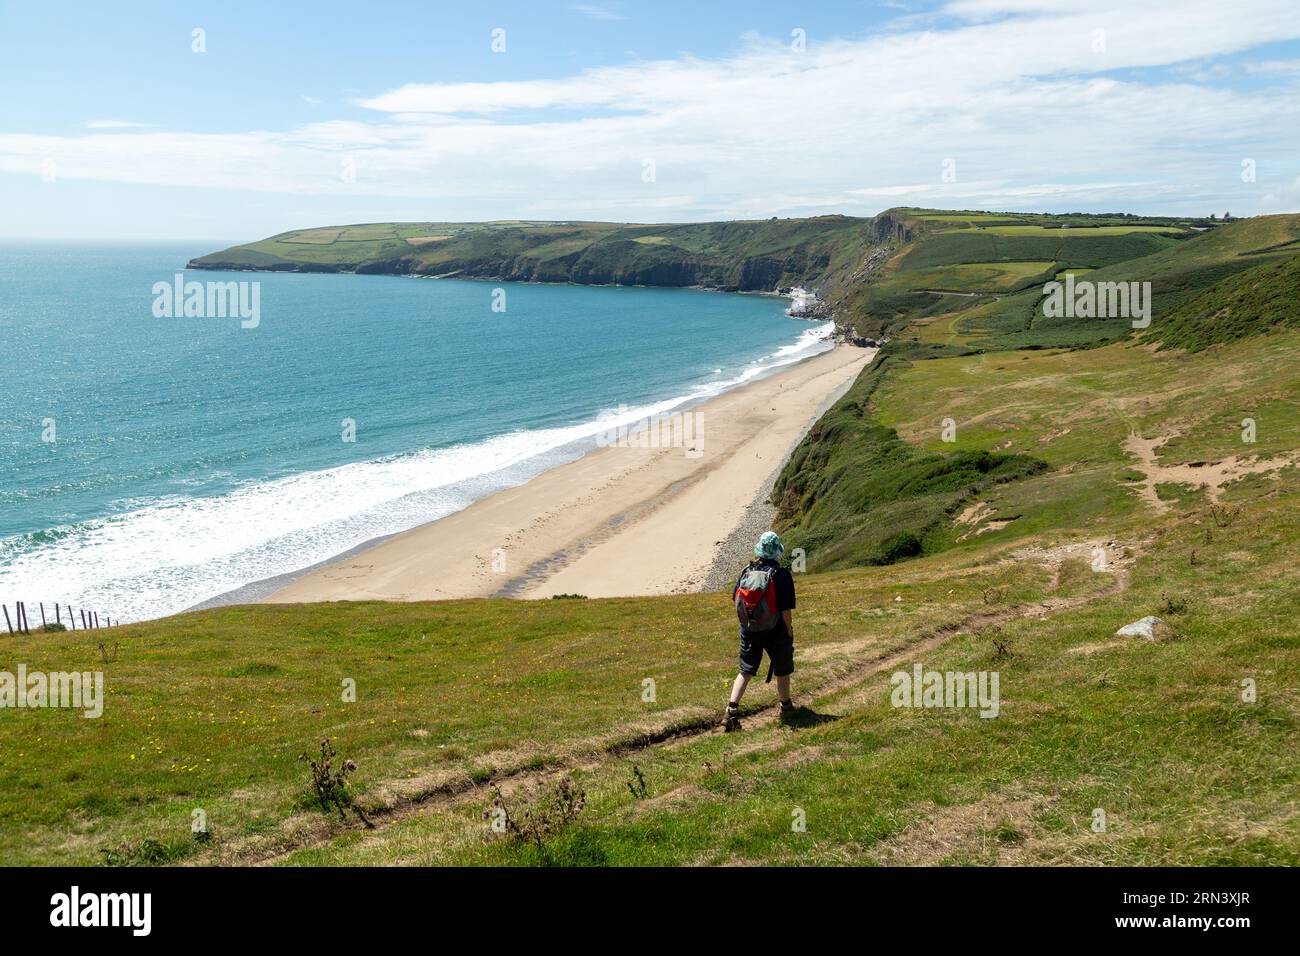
597,13
116,124
1274,67
1018,94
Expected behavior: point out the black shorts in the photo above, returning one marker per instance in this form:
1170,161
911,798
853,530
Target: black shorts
780,649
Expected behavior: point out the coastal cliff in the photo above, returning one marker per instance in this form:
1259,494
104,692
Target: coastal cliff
818,254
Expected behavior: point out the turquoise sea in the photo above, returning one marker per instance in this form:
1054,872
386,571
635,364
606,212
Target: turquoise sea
191,456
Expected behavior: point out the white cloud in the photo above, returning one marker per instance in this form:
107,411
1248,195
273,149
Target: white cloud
116,124
1203,72
597,13
1274,67
1011,90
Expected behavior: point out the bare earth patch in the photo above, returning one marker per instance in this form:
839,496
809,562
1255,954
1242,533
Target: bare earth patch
979,517
1211,476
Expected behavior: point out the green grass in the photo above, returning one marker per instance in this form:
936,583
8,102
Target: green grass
1066,247
1038,230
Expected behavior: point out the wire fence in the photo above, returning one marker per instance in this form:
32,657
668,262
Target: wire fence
53,617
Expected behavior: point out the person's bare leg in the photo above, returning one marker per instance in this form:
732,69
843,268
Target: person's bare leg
782,687
738,688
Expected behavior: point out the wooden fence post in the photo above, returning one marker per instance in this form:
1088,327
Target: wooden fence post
20,623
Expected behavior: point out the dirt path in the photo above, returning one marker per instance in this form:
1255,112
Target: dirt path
690,726
965,295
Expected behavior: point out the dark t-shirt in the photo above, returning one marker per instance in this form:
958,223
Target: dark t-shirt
784,582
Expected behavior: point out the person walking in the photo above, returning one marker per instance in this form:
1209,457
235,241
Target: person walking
764,600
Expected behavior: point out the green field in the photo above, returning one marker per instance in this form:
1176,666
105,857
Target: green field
1178,271
992,277
1028,230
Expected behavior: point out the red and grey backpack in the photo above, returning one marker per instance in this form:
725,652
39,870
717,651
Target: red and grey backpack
756,598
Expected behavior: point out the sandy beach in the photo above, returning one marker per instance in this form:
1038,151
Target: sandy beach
618,521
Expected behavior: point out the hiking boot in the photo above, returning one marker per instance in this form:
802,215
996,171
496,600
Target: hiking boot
787,709
731,719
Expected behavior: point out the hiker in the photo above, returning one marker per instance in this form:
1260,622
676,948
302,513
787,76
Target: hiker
764,599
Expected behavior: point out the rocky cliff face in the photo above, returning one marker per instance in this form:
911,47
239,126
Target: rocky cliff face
761,275
887,227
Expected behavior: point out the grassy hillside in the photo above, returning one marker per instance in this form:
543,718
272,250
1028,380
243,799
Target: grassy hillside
1153,735
1261,299
212,709
854,493
959,261
1177,274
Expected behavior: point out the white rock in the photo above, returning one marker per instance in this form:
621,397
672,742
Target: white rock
1143,628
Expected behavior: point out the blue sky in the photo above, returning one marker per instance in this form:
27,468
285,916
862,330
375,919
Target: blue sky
111,125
